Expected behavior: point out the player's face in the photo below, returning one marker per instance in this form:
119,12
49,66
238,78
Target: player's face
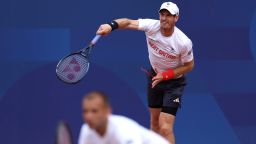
95,113
167,20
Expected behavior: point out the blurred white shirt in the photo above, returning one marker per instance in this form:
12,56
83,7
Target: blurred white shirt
120,130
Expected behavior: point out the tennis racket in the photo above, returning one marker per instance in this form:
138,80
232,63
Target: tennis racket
63,134
72,68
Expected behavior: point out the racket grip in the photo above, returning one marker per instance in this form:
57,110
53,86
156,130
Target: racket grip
95,39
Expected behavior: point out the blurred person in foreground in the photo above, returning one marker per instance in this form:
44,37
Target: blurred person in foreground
103,127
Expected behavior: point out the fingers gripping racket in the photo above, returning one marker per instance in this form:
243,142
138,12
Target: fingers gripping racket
72,68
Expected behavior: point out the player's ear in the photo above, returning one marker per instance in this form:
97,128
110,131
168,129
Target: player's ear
176,18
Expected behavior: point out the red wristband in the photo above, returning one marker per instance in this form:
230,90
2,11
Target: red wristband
169,74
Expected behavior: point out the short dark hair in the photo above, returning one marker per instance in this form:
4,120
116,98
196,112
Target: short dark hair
97,94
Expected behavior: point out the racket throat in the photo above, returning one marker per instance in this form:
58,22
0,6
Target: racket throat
86,51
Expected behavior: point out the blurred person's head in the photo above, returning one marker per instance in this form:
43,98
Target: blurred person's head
95,111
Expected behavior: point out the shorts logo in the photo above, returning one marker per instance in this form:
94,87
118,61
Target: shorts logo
177,100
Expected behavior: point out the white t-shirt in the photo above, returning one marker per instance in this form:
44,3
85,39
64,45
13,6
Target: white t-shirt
120,130
166,52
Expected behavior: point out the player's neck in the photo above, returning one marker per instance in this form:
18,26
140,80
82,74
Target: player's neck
167,32
102,130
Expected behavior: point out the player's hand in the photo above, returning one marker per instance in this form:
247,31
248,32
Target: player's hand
104,29
157,79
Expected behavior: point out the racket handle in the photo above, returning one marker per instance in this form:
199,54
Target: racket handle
95,39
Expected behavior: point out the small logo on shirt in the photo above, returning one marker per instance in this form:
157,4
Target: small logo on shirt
177,100
172,49
190,52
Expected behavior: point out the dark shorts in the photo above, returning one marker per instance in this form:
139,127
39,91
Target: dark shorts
166,94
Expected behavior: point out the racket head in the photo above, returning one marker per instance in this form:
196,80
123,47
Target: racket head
72,68
63,134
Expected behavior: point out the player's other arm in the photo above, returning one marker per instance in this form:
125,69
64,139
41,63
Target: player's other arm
122,23
181,70
187,67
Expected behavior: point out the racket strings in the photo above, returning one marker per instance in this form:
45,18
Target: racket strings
72,68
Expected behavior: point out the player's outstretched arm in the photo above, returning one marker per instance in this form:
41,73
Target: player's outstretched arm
122,23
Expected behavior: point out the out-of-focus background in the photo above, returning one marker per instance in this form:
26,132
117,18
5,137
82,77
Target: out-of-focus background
219,101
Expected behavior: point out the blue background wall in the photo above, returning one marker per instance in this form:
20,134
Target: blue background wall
219,100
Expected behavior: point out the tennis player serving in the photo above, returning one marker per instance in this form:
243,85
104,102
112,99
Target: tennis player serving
171,57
